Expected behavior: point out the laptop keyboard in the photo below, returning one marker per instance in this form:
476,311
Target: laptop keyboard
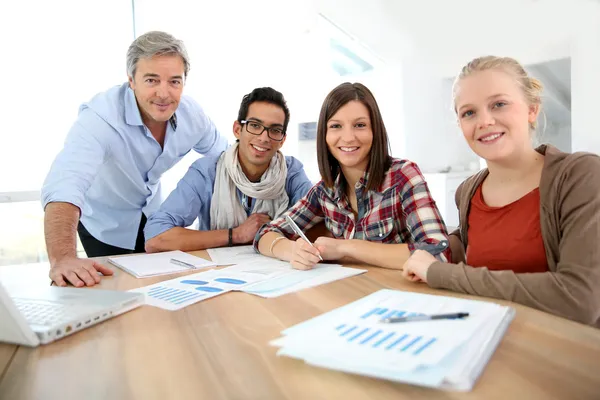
40,312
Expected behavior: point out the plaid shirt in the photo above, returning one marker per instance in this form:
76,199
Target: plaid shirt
400,211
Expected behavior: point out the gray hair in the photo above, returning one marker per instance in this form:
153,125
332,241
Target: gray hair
152,44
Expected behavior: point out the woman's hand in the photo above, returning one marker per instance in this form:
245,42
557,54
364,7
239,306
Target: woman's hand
416,267
331,249
304,256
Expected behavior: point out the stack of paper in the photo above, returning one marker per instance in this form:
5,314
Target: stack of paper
447,354
170,262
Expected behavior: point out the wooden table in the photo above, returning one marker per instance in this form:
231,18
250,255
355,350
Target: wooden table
218,349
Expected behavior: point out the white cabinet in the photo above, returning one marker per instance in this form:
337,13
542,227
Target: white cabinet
443,189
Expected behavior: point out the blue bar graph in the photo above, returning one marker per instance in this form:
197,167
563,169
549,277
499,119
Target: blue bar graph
383,340
409,345
382,312
426,345
368,338
172,295
358,334
348,331
387,341
375,311
396,342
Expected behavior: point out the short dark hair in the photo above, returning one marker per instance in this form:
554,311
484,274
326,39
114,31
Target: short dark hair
380,159
268,95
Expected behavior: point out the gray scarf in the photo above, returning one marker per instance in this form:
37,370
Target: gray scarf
269,194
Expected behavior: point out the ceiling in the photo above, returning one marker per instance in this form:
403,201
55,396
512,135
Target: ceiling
446,34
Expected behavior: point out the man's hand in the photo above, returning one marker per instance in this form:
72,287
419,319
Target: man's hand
245,232
77,271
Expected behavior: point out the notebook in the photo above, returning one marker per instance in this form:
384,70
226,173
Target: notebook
443,354
233,255
169,262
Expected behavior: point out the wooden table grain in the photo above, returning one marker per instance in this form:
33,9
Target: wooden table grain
218,349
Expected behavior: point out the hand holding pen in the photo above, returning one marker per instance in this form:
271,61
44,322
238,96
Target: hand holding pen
304,254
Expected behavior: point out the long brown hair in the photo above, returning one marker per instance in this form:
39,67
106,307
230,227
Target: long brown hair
379,161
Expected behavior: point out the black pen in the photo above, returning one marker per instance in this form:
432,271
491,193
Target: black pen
425,317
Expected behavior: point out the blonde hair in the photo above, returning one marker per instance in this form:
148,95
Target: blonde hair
531,87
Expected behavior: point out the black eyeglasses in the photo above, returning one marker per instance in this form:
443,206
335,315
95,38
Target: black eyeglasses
256,128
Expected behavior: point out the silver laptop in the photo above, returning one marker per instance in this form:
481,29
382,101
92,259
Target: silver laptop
40,315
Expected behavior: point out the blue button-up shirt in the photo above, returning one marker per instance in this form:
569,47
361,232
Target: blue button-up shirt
192,197
110,166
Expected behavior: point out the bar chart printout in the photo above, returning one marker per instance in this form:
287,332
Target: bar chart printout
435,353
184,291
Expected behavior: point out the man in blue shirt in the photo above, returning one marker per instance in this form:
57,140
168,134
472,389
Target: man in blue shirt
234,194
107,177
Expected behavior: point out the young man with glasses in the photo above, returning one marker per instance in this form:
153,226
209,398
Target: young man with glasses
233,194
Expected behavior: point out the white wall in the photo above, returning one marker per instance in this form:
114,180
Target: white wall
585,81
55,56
450,33
432,136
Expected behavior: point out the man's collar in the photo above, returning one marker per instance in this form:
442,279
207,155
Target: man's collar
132,112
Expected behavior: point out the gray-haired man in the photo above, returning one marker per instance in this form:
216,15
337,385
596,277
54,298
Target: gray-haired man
106,180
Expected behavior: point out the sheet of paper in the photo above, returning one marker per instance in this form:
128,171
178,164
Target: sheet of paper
233,255
283,279
146,265
186,290
298,280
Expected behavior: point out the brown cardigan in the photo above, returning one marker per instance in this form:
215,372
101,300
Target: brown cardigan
570,225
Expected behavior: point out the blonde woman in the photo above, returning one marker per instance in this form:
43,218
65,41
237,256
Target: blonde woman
529,223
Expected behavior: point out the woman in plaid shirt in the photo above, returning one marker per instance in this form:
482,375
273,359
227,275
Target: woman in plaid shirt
377,208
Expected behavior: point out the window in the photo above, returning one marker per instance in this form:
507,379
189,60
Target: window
54,58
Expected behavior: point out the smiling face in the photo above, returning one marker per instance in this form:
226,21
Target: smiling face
158,84
494,115
350,136
256,151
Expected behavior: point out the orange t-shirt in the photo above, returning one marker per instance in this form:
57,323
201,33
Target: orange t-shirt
506,238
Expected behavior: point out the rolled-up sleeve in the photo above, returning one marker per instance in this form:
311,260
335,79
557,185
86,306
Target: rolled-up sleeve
75,167
422,216
183,205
